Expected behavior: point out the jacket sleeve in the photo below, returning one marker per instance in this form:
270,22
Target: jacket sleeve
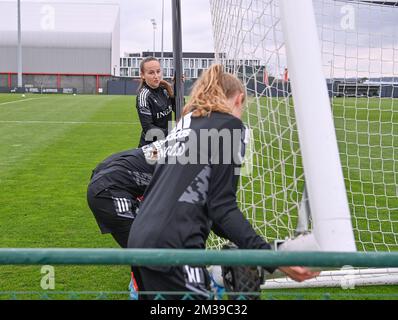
228,220
145,113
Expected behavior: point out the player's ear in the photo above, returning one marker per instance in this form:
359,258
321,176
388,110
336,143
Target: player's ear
239,98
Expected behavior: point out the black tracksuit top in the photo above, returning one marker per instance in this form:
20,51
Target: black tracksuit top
127,170
184,201
154,108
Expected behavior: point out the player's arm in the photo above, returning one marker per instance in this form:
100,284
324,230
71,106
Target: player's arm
218,231
229,221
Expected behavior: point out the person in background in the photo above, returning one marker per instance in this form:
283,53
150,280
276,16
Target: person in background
155,102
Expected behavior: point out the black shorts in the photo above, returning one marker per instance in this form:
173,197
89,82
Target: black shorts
114,210
173,284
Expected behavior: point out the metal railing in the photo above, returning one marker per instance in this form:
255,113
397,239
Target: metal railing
167,257
163,257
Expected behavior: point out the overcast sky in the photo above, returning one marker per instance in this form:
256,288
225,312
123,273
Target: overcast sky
136,30
357,44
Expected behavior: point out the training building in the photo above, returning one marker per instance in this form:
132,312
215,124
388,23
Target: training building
64,46
193,64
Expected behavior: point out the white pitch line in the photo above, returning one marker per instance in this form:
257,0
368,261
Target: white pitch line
4,103
68,122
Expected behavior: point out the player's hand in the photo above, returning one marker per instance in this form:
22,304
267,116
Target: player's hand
299,274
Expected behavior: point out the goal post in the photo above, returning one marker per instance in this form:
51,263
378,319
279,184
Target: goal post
332,227
322,84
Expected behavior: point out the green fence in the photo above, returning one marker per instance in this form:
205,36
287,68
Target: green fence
162,257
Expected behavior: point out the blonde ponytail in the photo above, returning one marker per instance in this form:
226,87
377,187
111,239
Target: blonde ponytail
212,91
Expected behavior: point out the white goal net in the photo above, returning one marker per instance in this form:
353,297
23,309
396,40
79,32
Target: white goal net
359,47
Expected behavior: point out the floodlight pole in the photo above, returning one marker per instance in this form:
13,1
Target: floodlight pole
177,56
154,33
19,54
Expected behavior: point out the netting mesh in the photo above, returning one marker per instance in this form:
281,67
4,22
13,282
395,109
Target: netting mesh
360,57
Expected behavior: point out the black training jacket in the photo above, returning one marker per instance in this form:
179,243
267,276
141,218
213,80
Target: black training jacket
127,170
154,108
184,201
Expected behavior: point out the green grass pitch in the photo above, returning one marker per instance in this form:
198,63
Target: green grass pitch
48,146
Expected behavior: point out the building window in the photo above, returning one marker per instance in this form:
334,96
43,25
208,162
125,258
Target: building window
124,72
135,72
134,63
204,64
185,63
